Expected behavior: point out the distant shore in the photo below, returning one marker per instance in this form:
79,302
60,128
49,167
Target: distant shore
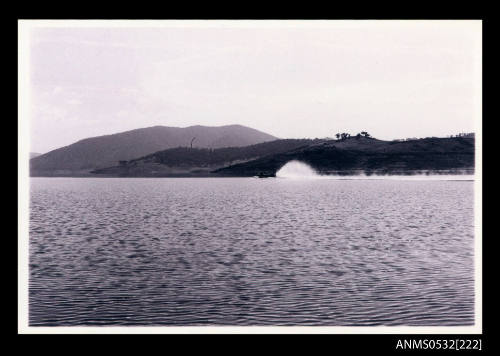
352,173
344,157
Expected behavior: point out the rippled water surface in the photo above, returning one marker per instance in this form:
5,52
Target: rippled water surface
247,251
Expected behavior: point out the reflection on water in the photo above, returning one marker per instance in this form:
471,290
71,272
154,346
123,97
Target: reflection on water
244,251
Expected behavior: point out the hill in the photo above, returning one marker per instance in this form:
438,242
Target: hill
104,151
350,156
185,161
369,156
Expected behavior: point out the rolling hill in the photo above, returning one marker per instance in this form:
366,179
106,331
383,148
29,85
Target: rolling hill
185,161
369,156
104,151
351,156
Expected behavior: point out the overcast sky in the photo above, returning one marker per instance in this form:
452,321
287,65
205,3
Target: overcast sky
393,79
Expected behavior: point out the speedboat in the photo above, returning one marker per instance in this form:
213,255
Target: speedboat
266,175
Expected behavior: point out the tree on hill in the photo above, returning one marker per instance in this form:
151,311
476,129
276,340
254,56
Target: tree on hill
344,136
365,134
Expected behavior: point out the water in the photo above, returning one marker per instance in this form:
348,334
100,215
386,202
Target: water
249,251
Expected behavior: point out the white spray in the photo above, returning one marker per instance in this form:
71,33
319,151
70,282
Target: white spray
296,169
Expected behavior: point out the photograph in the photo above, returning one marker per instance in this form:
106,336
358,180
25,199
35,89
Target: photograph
250,176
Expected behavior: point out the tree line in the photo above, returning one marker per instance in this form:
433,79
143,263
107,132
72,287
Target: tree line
345,135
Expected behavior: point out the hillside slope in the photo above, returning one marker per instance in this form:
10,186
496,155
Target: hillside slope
108,150
369,156
187,161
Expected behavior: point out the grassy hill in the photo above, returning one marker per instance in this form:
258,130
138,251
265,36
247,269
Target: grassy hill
350,156
182,161
369,156
104,151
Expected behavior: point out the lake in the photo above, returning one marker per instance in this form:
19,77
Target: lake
248,251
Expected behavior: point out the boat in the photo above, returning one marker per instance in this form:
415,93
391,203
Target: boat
266,175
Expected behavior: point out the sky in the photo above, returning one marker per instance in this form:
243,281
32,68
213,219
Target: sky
291,79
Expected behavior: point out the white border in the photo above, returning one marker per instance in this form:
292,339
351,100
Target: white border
23,173
24,29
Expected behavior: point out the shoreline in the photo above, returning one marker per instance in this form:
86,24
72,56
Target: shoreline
465,176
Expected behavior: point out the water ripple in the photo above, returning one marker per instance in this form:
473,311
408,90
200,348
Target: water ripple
250,252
